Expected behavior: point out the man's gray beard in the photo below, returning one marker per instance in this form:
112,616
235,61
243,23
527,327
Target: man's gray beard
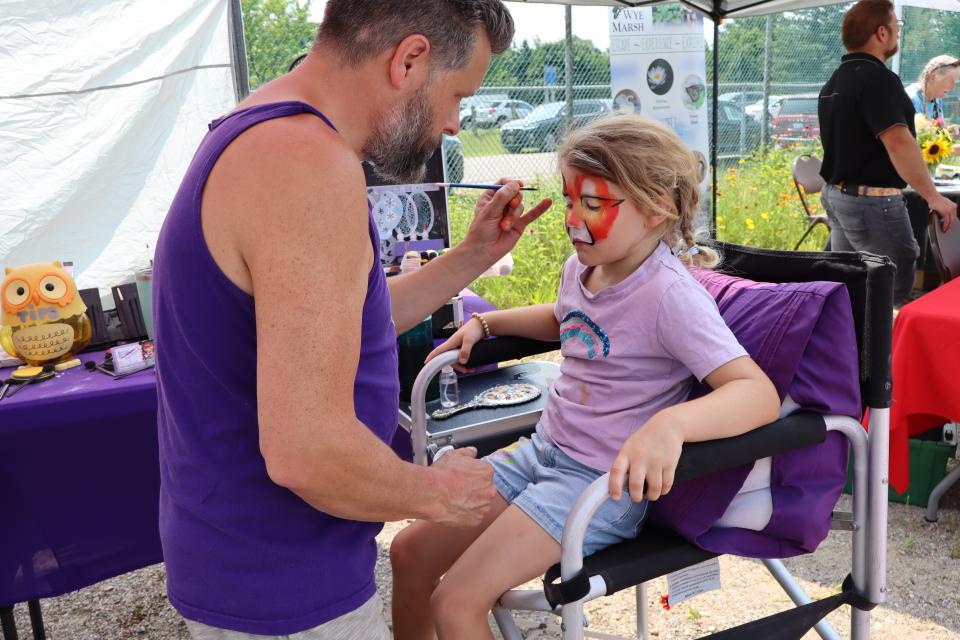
400,147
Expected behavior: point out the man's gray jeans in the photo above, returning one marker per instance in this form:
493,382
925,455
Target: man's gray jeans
877,224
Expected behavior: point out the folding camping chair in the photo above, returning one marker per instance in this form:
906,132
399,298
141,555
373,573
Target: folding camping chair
657,552
946,248
807,180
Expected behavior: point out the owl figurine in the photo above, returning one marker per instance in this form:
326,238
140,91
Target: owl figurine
44,320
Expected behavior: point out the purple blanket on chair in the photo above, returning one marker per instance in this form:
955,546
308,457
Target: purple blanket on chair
802,335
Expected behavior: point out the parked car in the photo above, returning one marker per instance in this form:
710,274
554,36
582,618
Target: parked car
471,104
453,159
544,127
494,114
797,119
755,110
737,134
741,98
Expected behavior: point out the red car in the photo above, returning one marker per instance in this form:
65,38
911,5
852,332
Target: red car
797,119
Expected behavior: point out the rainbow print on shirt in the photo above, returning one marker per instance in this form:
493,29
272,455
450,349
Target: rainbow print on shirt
577,325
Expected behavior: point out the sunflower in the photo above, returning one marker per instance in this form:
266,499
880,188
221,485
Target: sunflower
936,143
946,145
931,151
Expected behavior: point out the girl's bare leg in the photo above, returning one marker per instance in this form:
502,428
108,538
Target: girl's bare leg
419,556
511,551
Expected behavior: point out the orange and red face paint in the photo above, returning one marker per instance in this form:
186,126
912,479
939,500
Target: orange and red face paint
590,216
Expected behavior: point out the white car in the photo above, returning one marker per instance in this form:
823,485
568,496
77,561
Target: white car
470,105
496,113
755,110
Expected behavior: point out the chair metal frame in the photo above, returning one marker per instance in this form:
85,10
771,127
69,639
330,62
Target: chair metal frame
804,188
946,249
868,520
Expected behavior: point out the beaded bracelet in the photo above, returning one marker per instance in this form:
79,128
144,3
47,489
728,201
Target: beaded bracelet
483,323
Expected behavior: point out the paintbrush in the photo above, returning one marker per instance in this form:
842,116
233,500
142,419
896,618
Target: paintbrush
462,185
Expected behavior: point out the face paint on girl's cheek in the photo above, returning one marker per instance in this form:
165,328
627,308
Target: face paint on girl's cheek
598,208
576,229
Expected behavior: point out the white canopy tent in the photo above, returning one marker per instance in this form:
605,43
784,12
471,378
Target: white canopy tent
742,8
102,105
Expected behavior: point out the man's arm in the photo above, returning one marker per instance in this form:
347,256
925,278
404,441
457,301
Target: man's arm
905,155
302,232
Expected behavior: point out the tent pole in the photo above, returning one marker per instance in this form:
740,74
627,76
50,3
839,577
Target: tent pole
713,126
895,62
238,51
767,63
568,65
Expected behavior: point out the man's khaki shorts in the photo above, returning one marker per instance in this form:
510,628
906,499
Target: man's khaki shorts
363,623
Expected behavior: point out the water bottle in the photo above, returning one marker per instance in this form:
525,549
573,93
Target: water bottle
449,392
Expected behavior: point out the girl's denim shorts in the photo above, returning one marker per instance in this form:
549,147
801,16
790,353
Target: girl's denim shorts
544,482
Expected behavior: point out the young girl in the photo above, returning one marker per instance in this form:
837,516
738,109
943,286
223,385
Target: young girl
635,329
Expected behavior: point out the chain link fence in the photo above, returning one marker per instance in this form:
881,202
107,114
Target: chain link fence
770,69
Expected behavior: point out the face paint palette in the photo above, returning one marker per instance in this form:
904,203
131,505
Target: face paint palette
500,396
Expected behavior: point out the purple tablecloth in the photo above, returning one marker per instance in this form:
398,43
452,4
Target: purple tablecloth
80,479
79,482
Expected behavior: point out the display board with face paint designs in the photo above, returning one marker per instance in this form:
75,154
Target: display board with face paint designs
409,216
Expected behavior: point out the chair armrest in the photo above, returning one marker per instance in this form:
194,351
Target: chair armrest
800,429
797,430
507,348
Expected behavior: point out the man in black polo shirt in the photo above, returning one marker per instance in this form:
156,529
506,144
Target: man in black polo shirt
870,152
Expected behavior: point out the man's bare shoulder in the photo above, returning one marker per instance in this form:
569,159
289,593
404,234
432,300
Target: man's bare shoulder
291,148
277,186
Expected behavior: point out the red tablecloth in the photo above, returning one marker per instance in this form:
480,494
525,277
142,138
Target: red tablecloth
926,361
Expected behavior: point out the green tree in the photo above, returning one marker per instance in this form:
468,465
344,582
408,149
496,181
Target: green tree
276,32
523,66
807,45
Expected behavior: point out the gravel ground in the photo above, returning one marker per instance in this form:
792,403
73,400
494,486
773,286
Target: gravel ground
923,600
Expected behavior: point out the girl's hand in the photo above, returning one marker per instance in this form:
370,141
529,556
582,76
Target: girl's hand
650,455
466,336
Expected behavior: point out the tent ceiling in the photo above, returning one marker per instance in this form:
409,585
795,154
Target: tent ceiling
735,8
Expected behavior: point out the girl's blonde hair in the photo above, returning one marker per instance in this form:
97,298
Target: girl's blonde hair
658,173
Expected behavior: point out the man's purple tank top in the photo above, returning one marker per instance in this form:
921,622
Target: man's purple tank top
241,552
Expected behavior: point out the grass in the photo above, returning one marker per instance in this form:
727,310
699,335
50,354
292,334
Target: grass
481,142
757,206
537,258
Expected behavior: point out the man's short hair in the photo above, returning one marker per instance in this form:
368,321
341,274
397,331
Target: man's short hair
862,20
357,30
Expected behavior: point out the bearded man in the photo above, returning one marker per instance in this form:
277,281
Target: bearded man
276,328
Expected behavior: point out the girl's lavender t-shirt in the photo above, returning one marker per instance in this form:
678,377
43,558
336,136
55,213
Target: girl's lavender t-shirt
629,351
